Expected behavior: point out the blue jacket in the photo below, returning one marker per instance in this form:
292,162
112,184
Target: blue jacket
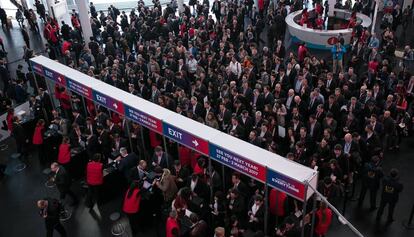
338,54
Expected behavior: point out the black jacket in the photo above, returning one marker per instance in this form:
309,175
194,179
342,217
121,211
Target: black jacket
62,179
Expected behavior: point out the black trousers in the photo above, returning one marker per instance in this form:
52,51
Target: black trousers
134,220
391,206
55,226
372,196
66,191
93,195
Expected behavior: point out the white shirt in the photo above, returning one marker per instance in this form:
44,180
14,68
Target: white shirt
192,185
235,68
192,65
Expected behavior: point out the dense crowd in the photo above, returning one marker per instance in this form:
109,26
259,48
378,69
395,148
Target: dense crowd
232,72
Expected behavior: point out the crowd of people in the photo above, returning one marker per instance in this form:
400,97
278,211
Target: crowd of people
225,64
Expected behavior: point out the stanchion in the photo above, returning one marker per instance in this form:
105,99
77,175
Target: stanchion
166,150
266,220
129,134
409,224
313,214
117,228
20,165
304,211
141,131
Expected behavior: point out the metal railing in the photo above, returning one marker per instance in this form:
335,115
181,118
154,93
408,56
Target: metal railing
341,218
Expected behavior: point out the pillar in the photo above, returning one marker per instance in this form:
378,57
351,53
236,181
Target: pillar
84,19
407,3
180,6
331,7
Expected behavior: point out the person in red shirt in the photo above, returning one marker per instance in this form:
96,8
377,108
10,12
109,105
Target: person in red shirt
171,227
304,18
324,218
131,205
352,21
318,8
75,22
9,119
94,179
302,52
64,152
319,22
66,46
37,140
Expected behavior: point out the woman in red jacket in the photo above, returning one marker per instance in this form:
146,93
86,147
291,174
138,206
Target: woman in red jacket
131,205
324,218
9,119
64,152
37,140
171,227
94,179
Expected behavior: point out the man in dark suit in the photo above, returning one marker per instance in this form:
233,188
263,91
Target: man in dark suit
50,210
371,139
63,182
119,142
258,100
105,141
224,117
78,119
330,84
313,103
236,129
197,108
112,127
138,172
216,181
349,145
20,136
199,227
332,106
4,75
198,187
239,185
246,122
126,161
45,101
314,128
254,139
181,173
161,158
256,214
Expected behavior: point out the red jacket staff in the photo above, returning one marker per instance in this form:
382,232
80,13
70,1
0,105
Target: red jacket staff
94,173
64,151
324,217
132,199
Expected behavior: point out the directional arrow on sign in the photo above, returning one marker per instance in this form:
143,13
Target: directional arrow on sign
115,106
195,143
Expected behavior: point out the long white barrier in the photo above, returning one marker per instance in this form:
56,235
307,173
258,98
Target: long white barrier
260,164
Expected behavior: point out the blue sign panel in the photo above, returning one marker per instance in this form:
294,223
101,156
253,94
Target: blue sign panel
108,102
143,119
237,162
185,138
286,184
